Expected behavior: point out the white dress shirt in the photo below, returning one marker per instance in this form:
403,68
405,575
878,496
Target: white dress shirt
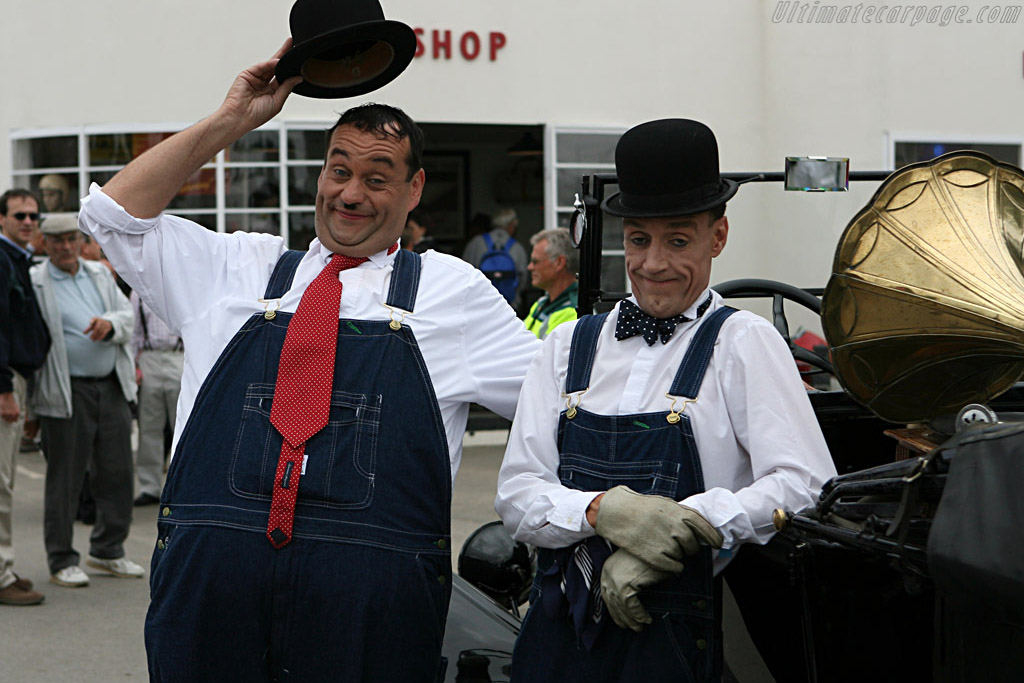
205,285
759,442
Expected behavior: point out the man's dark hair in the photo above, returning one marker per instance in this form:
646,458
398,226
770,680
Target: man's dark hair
383,121
16,193
716,212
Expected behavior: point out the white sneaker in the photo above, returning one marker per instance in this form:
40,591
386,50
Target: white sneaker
72,577
122,567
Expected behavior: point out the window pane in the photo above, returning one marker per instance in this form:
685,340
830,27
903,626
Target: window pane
207,220
306,144
198,192
912,152
257,145
46,153
252,187
611,232
302,185
613,273
56,191
253,222
586,148
569,183
117,149
300,229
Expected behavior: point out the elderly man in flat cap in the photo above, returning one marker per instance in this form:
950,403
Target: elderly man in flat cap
81,397
652,441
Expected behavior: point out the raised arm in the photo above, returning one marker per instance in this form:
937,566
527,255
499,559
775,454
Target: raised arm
146,185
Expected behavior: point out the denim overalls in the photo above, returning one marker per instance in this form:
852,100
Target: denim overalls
652,453
361,592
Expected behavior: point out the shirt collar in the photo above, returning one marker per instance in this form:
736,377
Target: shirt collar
27,252
58,274
690,312
323,255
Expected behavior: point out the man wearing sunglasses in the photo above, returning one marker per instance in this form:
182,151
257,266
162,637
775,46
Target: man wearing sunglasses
24,341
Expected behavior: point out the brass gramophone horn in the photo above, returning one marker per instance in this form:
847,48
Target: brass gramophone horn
924,311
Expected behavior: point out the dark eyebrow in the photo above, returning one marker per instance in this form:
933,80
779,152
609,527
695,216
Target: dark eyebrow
338,151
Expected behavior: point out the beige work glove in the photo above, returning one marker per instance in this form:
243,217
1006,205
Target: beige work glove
656,529
623,576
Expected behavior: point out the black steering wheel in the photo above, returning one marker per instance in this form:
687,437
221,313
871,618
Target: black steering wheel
779,292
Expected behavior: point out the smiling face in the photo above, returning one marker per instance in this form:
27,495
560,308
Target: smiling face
669,259
364,192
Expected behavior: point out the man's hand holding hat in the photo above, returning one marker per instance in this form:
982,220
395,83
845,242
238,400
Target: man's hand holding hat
257,96
656,529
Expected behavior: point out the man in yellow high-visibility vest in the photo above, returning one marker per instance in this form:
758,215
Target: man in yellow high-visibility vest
553,267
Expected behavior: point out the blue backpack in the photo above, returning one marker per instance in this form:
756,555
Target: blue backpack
499,267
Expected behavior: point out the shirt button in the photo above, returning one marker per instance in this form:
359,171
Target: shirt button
160,544
442,544
702,604
166,512
702,644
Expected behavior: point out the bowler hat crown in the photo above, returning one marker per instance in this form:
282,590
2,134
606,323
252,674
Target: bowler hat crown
344,48
667,167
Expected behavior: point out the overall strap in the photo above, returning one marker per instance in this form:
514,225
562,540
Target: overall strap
405,280
691,371
581,352
284,271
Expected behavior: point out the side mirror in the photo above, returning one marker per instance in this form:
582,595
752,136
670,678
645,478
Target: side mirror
498,565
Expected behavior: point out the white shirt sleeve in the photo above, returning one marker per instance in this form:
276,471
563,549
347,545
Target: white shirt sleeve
179,268
774,423
531,500
496,348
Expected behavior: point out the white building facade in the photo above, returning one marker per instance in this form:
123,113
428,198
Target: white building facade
518,99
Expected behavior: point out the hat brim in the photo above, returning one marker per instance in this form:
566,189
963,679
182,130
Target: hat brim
400,37
613,206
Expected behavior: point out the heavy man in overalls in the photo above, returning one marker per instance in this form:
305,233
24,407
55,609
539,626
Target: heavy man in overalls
304,525
652,441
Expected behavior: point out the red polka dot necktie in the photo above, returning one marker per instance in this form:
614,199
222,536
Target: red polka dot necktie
302,395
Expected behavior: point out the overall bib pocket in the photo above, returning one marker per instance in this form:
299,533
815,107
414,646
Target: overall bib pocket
653,477
340,459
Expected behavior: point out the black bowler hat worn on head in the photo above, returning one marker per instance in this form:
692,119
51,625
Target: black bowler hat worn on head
344,48
665,168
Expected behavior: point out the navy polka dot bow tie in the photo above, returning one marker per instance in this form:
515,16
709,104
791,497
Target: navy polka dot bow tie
633,321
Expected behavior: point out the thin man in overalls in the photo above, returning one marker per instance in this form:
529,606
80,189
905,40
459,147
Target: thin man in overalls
304,525
651,441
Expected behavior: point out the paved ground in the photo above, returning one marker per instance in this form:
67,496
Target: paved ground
94,634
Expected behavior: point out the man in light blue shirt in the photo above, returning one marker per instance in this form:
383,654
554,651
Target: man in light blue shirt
81,396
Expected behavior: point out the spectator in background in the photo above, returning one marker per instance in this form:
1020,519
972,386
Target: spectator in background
24,341
500,257
81,396
478,224
159,359
415,237
553,267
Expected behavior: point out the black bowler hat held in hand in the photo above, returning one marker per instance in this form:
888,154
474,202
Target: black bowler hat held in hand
665,168
344,48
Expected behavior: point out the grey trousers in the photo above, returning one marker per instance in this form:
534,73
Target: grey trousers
158,401
99,429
